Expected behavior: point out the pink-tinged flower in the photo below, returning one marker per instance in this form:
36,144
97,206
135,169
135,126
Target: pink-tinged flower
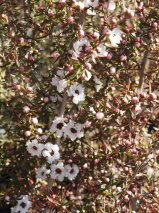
27,133
58,171
71,171
105,5
46,99
55,54
99,115
80,33
135,100
123,58
34,120
111,5
152,96
70,20
88,66
87,124
73,130
40,131
112,70
26,109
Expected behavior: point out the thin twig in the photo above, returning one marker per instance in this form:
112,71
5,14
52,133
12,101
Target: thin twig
142,70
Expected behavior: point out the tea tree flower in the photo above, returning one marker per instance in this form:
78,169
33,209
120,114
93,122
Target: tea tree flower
115,36
58,171
34,148
42,172
73,130
71,171
51,152
23,205
99,84
60,84
58,126
77,91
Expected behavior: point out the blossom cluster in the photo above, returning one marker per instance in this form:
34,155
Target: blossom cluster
71,129
23,205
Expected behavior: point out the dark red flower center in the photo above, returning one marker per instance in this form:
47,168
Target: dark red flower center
73,130
59,125
58,171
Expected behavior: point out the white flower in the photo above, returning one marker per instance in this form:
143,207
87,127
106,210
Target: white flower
99,115
60,84
34,148
58,126
115,36
77,91
23,205
87,3
51,152
42,172
78,46
58,171
103,52
99,84
150,172
73,130
111,5
71,171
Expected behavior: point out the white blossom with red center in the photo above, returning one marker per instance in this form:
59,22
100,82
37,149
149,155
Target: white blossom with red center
23,205
51,152
58,171
58,125
42,172
77,91
71,171
74,130
34,148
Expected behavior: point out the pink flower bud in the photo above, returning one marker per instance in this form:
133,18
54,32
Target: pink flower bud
109,56
40,131
27,133
80,33
87,124
95,35
29,89
46,99
88,66
85,165
152,96
99,115
108,105
105,5
27,80
135,100
55,54
123,58
26,109
116,109
125,100
17,87
21,69
70,20
30,58
70,68
112,70
34,120
7,198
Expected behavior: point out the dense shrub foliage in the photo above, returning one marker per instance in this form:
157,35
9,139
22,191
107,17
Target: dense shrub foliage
79,84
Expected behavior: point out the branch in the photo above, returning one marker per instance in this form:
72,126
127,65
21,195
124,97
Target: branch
141,72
